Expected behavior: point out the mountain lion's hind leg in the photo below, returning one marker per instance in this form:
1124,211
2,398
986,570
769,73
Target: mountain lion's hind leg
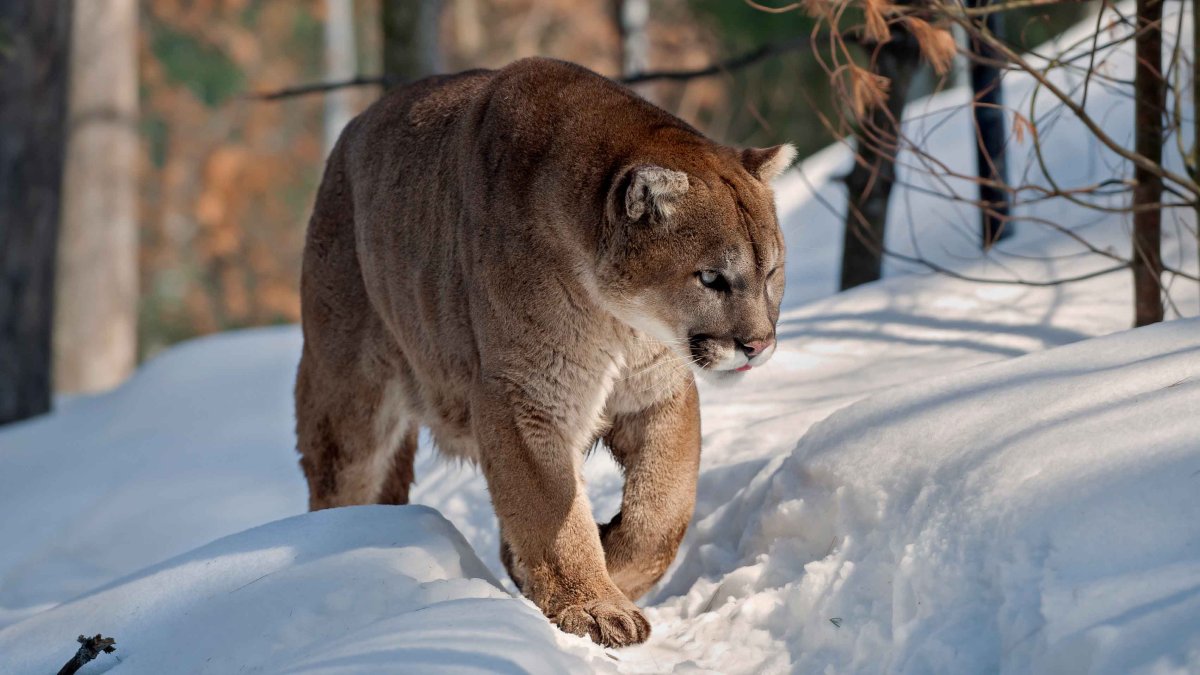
344,451
659,448
400,474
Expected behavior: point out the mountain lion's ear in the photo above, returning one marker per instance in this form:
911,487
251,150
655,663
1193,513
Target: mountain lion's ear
653,190
767,163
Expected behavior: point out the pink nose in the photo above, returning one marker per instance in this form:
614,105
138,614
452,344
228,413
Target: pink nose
755,347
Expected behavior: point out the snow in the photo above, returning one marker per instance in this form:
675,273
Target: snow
931,475
361,589
1032,515
197,446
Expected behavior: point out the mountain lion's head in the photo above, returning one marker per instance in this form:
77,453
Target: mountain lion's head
693,254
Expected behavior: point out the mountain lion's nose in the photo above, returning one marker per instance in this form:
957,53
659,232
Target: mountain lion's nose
755,347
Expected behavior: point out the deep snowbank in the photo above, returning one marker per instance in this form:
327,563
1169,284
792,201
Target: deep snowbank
363,589
1034,515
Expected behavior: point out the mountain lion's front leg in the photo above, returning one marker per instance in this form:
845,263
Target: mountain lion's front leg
531,461
659,448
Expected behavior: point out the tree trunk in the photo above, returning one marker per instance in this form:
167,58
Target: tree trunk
1149,102
96,294
340,64
631,19
1196,118
870,181
632,16
33,107
989,148
410,39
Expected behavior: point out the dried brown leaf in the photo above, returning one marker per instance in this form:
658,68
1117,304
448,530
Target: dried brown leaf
867,90
876,28
818,9
1021,125
936,43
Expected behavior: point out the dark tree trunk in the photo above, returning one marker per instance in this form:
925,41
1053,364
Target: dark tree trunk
33,106
1150,97
1196,116
870,181
410,39
989,121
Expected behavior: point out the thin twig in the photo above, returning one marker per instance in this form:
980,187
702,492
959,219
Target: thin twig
738,62
741,61
323,87
940,269
1137,159
89,649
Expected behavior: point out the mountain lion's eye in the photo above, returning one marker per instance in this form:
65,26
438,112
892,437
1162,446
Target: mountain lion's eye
714,280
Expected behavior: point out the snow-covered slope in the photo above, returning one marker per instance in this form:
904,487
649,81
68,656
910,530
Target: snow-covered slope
196,446
1034,515
920,462
356,590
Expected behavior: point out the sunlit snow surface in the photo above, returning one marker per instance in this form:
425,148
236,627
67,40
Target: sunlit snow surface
370,589
918,482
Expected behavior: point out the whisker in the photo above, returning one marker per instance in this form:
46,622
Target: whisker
657,363
646,337
679,342
682,363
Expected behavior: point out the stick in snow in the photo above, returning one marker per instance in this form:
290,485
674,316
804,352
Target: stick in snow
89,648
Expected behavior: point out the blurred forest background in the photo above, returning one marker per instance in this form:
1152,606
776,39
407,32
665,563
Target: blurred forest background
225,182
204,183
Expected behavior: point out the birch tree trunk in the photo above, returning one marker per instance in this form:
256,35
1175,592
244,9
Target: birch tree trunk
33,107
632,17
96,294
340,64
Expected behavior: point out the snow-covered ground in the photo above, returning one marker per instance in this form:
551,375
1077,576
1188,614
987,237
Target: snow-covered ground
923,480
347,590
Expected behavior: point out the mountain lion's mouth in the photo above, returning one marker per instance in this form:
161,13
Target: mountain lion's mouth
711,354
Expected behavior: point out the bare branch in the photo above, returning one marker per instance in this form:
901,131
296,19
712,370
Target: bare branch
774,10
89,649
738,62
324,87
741,61
1138,160
941,269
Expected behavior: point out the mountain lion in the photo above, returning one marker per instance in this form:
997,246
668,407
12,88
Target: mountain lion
528,261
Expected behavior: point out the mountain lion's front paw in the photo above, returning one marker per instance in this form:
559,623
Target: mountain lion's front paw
609,622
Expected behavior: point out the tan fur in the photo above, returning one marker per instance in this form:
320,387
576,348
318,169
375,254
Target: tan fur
511,259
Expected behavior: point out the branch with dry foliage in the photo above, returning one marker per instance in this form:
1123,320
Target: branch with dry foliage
1060,74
